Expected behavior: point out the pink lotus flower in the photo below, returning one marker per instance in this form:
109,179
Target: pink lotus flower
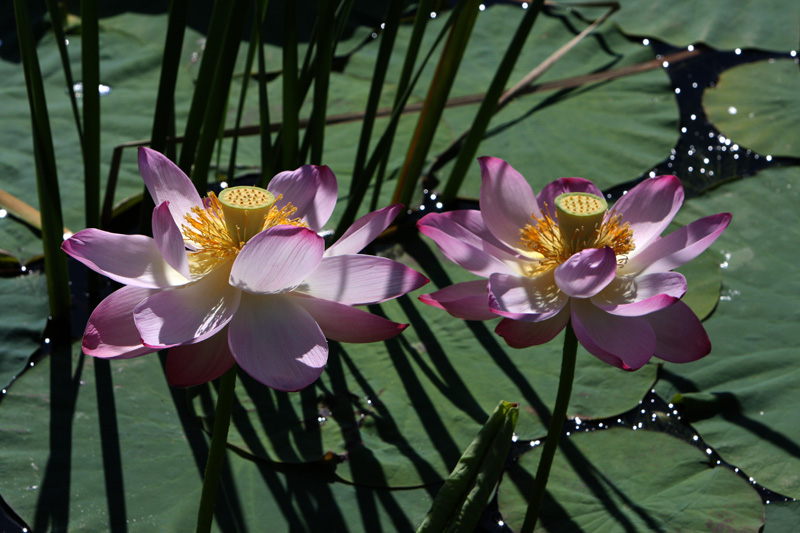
241,278
562,256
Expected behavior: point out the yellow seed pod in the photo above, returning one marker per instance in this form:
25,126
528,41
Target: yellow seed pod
580,214
244,209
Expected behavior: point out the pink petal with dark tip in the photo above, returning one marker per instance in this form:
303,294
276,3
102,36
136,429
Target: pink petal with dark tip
111,332
343,323
195,364
468,300
650,207
680,337
630,339
311,189
522,334
507,201
128,259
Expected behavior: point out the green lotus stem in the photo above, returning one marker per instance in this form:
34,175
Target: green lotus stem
554,431
216,454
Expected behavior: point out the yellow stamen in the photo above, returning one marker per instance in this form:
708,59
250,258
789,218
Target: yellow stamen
207,230
282,216
244,209
551,248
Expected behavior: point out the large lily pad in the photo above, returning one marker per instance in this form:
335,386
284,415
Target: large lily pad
782,516
621,480
22,323
764,120
161,454
752,370
721,24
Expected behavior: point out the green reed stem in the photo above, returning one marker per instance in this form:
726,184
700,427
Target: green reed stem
90,71
216,453
388,36
218,31
568,358
55,264
248,67
420,22
291,103
263,103
325,35
466,13
164,117
218,97
54,11
466,155
381,153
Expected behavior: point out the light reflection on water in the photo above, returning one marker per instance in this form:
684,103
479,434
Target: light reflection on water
78,89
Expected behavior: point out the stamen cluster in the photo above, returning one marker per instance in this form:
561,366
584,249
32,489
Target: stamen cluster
205,228
544,238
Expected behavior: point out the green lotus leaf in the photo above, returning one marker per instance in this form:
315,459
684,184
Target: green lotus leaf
744,390
621,480
22,322
161,453
763,120
721,24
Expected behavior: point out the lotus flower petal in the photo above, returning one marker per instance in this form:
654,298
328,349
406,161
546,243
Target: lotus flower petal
168,183
169,240
680,246
472,221
468,300
641,295
187,314
277,260
630,339
465,248
111,332
364,231
680,337
195,364
277,342
586,273
650,207
343,323
521,334
515,296
507,201
129,259
311,189
360,280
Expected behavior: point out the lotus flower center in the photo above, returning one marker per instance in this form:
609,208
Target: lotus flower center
220,228
582,221
245,210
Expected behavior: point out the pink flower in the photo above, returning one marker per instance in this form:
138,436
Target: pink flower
241,278
563,256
